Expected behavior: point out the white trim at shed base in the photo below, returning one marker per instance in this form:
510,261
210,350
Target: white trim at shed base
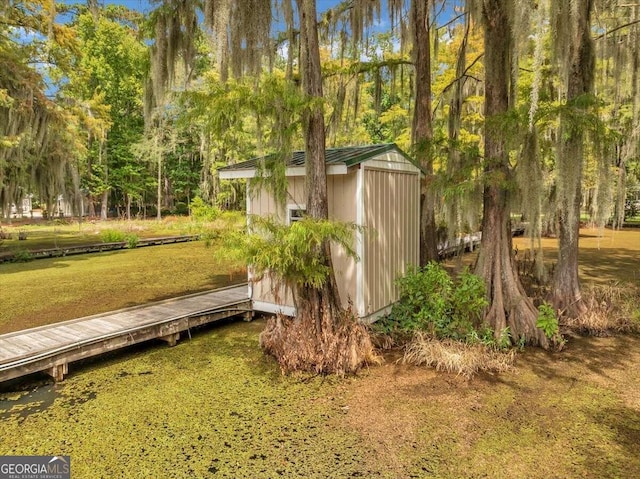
272,308
373,317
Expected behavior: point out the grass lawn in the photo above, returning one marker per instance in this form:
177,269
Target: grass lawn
41,234
605,255
215,406
45,291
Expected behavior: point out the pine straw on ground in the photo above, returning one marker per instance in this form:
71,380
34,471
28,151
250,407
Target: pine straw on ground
611,309
342,347
457,357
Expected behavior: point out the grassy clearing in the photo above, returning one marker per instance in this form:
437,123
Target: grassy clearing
50,290
216,407
56,234
606,256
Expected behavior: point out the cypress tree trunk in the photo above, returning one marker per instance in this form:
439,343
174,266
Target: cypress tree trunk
509,305
566,294
422,129
323,337
323,305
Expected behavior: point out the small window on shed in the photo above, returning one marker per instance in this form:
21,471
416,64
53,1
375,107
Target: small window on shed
295,213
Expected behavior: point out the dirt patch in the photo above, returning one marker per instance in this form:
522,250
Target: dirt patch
570,414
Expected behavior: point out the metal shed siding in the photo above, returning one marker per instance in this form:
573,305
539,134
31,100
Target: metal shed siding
391,217
341,191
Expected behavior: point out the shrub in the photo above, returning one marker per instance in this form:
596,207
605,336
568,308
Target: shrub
468,299
430,301
22,256
132,240
202,211
112,236
181,209
547,320
289,253
331,342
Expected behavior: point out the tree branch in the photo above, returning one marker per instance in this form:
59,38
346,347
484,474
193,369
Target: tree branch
464,74
619,27
453,20
363,67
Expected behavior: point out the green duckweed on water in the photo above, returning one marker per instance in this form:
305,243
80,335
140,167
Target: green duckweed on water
210,407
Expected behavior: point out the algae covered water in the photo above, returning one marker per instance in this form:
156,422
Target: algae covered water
212,406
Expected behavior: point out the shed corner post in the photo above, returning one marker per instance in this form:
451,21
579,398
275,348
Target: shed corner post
360,238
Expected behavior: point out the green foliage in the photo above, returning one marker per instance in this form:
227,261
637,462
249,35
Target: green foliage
110,68
486,336
22,256
181,209
112,236
547,320
431,301
131,240
468,297
202,211
291,253
424,300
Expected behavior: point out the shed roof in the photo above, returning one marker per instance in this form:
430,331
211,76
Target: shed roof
345,157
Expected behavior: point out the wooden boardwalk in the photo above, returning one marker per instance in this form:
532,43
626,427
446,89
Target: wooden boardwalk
51,348
99,247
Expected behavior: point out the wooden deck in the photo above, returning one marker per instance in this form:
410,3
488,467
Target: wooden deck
51,348
98,247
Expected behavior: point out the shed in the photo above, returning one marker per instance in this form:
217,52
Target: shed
375,186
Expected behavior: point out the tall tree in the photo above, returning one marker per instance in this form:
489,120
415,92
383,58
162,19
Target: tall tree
322,305
110,68
237,25
576,55
39,147
422,128
509,305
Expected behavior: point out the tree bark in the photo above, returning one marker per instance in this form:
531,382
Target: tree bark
422,128
454,164
159,189
509,305
320,304
566,295
104,205
128,206
91,206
